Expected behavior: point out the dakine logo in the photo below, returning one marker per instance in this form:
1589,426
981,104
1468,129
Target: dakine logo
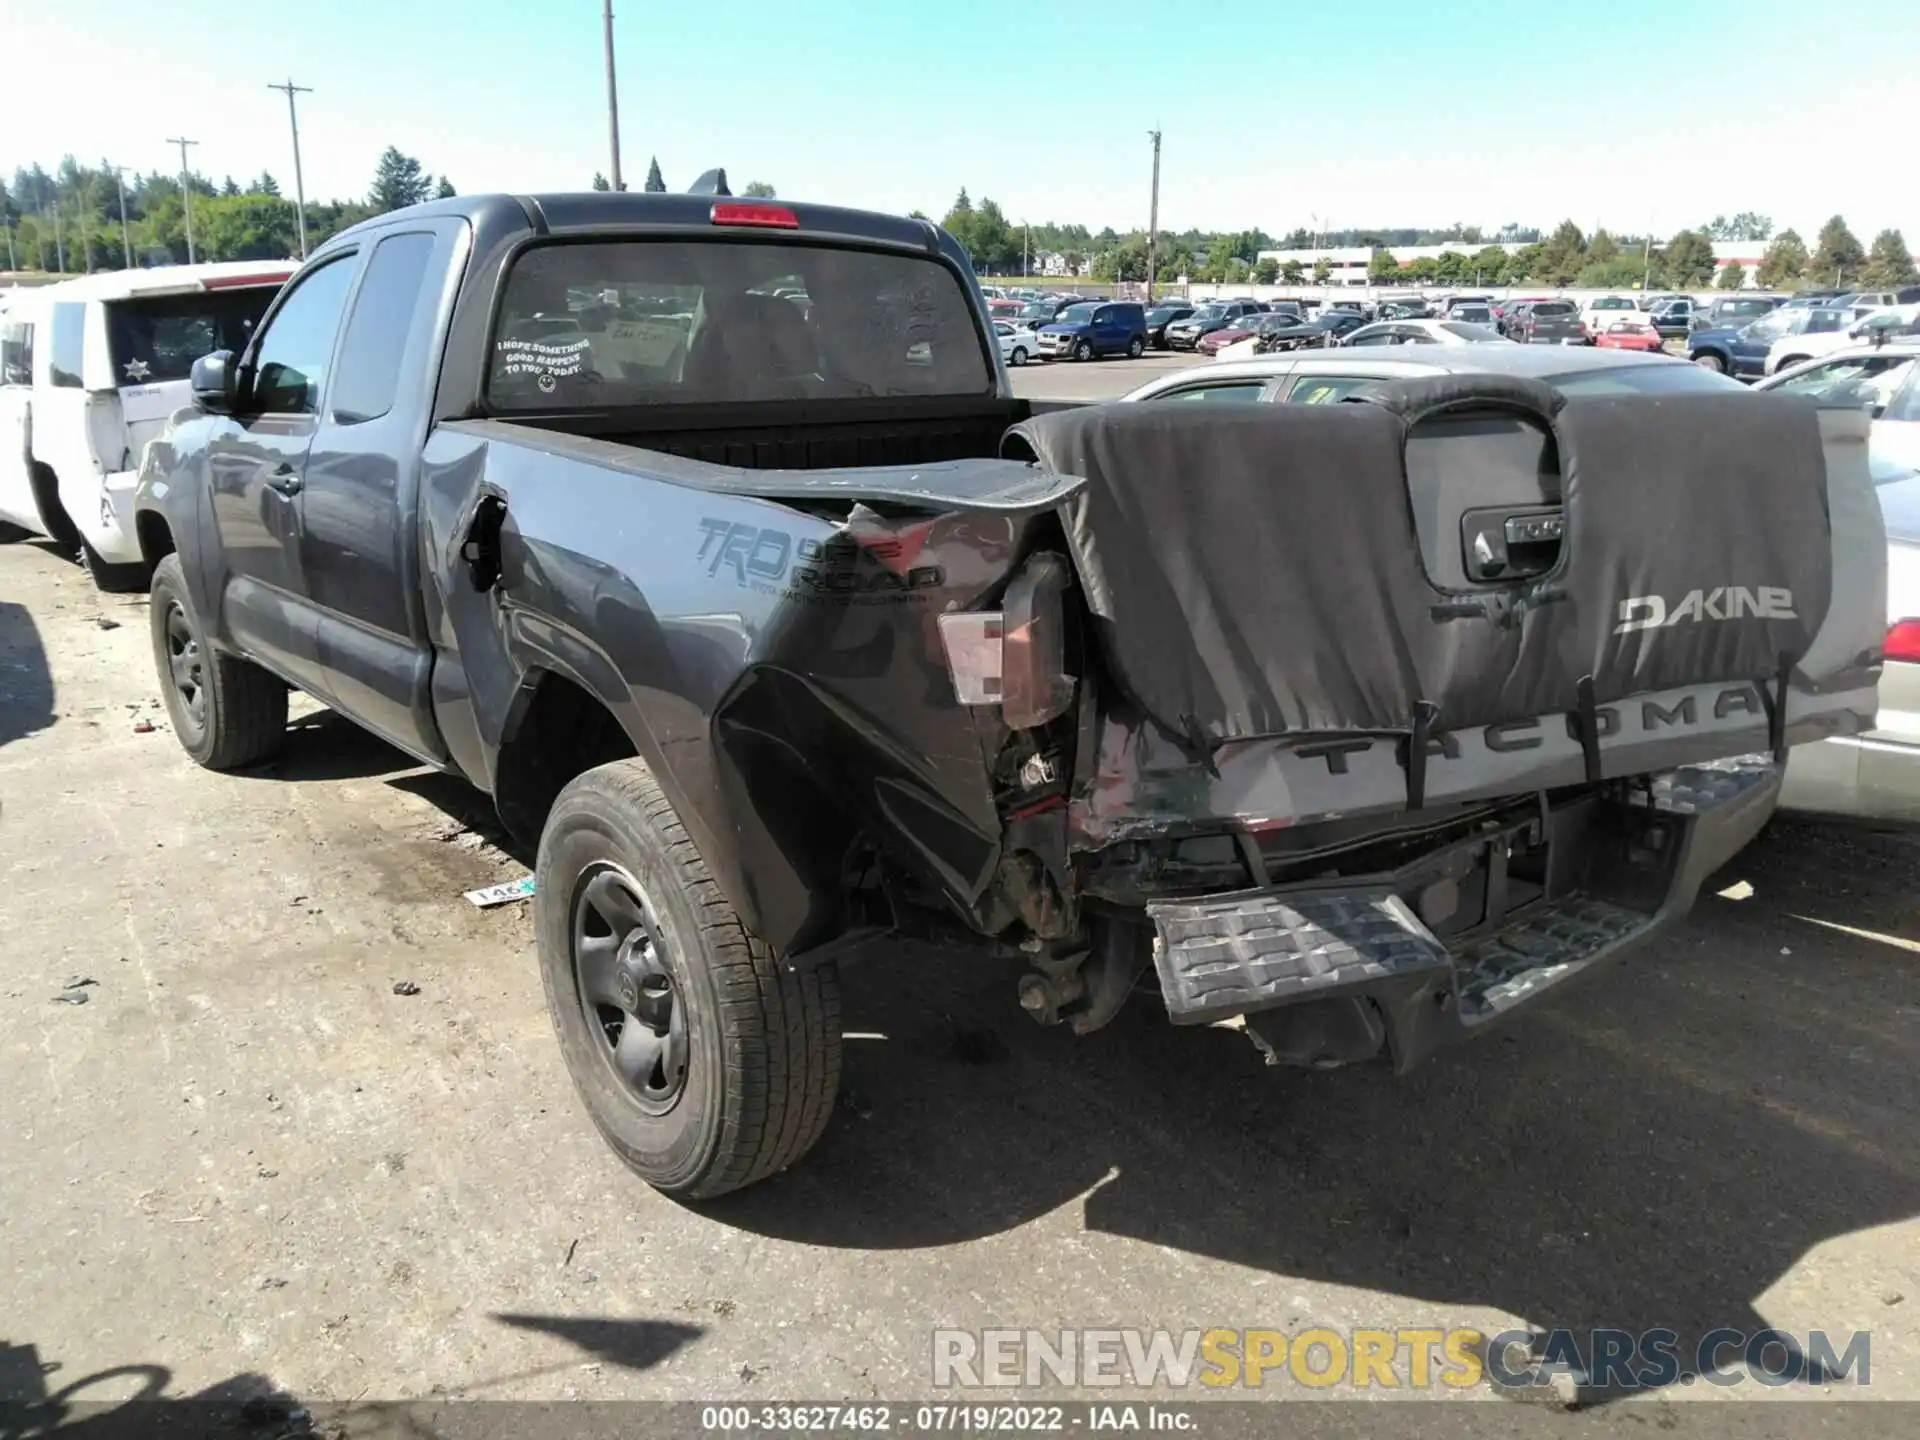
1723,602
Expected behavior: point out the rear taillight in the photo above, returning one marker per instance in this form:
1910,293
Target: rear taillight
764,217
1015,657
1903,641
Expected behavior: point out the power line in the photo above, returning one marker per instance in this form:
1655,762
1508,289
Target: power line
186,189
299,185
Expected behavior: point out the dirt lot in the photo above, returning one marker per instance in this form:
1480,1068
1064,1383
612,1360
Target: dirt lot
247,1160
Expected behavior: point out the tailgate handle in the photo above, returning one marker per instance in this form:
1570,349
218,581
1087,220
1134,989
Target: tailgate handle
1508,544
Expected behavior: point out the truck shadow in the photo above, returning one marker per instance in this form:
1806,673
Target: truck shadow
26,681
1654,1150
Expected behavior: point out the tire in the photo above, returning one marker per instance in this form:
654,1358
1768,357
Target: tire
1790,361
1019,355
132,578
739,1061
1707,360
1136,347
1083,350
240,713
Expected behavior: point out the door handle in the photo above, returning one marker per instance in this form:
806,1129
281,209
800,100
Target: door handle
286,480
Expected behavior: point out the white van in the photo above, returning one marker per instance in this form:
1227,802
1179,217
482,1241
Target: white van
90,371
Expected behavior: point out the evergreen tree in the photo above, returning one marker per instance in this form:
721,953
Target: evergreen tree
398,182
655,185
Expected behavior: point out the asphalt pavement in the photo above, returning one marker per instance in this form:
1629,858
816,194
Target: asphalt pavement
1096,379
309,1130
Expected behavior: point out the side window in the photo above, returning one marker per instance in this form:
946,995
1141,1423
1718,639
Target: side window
390,296
1241,393
16,354
1377,337
1326,389
289,366
1906,405
68,345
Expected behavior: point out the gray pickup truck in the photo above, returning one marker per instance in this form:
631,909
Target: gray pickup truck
705,536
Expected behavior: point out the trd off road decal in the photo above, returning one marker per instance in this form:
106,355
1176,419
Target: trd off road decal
774,562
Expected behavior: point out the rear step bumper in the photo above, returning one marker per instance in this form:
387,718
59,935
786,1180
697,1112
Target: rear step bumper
1551,898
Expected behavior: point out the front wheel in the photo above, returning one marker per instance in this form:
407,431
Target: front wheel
227,712
1083,350
1019,355
1136,347
1709,361
705,1061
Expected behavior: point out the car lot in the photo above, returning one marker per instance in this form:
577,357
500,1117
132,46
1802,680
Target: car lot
247,1160
1097,379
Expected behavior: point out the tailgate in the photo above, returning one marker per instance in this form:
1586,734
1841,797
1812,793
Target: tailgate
1472,586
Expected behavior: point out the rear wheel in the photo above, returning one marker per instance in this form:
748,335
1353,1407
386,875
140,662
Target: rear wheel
1707,360
1790,362
705,1061
227,712
1136,347
1083,350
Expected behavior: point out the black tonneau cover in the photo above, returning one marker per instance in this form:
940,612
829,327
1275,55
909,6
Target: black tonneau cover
1256,571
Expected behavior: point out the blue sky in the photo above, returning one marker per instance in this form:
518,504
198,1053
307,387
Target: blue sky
1618,112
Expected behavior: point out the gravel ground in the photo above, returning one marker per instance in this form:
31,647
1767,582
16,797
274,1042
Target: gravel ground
247,1161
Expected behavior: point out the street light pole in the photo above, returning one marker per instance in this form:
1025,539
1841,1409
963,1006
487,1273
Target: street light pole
126,236
613,100
299,184
186,190
1153,217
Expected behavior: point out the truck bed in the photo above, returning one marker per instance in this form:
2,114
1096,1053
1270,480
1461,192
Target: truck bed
828,435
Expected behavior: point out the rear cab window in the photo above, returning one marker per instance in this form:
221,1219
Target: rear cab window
152,338
650,322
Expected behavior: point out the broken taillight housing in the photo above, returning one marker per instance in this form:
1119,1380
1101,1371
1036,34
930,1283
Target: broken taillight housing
1016,657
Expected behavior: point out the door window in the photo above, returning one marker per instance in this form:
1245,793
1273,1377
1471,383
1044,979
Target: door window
376,339
68,339
1235,393
289,364
1326,389
1869,381
16,353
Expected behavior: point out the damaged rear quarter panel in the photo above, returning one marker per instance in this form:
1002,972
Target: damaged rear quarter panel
781,672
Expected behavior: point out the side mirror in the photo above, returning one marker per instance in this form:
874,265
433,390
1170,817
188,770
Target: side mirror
213,380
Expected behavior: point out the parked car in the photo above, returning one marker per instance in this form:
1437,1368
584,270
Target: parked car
1275,330
1743,352
1874,776
1505,310
1636,333
1018,343
90,371
1731,311
1672,315
1474,313
1878,379
1548,322
1161,316
1450,303
1004,309
1404,307
1422,332
1896,322
1596,315
1215,315
1093,329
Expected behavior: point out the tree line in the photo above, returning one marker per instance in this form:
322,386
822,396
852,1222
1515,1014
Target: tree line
70,221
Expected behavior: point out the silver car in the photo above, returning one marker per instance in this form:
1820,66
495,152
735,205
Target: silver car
1875,776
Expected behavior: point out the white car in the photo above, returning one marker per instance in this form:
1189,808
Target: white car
1791,350
1875,776
90,371
1424,332
1018,343
1598,314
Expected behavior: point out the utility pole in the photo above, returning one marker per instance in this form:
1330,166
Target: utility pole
1153,216
86,245
1026,247
1646,274
299,185
613,100
7,220
126,236
186,189
59,242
